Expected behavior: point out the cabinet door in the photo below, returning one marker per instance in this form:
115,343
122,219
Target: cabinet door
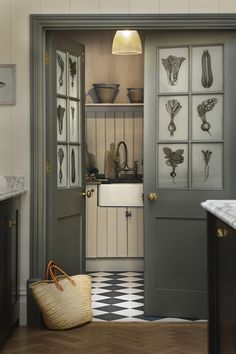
9,308
226,272
135,232
91,223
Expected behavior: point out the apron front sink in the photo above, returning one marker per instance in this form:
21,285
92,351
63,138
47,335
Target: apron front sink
120,195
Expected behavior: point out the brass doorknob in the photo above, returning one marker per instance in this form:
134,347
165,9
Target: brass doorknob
222,232
152,196
88,194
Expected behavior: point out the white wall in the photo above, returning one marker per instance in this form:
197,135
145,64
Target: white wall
14,48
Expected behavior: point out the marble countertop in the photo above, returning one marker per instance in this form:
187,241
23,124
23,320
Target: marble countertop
225,210
11,186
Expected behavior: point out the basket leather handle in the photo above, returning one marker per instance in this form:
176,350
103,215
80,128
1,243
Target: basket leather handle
54,277
50,263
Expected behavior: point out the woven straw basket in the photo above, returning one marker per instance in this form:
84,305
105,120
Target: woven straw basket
64,301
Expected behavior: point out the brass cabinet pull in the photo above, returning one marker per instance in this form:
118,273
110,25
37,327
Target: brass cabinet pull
88,194
11,223
152,196
221,232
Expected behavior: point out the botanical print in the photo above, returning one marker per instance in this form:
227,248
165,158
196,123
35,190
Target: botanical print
173,159
173,70
207,68
61,156
207,76
207,117
61,117
202,109
73,172
72,67
207,166
173,107
172,65
206,156
73,71
62,166
61,64
74,166
61,72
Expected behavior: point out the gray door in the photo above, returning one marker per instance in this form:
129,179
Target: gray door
65,209
188,155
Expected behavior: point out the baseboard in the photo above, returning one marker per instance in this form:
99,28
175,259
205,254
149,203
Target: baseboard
23,306
114,264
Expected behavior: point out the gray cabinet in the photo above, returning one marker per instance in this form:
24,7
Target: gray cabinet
9,304
222,286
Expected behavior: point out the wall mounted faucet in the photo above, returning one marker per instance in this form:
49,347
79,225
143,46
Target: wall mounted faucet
126,168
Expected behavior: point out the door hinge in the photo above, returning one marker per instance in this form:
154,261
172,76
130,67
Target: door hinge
46,59
48,168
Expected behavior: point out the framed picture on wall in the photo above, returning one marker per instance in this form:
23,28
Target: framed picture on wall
7,84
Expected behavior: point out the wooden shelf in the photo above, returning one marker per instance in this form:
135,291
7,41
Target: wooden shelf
113,104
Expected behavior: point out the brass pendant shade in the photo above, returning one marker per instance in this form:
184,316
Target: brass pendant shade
126,42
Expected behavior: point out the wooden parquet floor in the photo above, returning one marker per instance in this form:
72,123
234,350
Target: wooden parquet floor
111,338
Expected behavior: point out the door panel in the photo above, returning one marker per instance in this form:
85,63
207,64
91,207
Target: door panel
65,153
187,143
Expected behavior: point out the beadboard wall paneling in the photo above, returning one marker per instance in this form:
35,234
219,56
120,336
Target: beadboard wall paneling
144,7
170,6
203,6
5,27
114,6
109,234
5,141
112,124
84,7
227,6
55,7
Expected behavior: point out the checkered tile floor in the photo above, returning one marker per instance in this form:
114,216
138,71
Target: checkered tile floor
119,297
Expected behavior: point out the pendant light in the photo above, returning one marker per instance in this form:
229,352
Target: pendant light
126,42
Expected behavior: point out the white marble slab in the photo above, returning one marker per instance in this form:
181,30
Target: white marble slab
11,186
225,210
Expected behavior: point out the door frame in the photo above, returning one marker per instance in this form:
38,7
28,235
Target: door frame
39,25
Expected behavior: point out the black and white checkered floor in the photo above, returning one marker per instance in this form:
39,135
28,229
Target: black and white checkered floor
120,297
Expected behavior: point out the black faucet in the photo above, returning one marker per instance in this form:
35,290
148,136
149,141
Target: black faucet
126,168
118,168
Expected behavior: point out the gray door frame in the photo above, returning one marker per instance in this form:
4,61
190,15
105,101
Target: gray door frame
39,24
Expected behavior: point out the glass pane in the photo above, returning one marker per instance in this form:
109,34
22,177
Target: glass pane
61,72
207,166
74,120
173,165
61,119
207,117
61,166
73,76
207,68
173,70
173,118
74,165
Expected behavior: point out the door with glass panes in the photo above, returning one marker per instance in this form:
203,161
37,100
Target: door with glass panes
188,150
65,207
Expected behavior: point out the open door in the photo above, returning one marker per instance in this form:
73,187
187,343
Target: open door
65,207
188,155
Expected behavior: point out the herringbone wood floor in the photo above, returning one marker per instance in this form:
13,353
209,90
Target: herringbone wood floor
111,338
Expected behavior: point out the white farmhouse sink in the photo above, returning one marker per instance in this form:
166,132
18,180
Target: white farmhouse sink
120,195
